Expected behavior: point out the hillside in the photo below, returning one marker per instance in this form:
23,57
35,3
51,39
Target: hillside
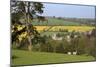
55,21
63,22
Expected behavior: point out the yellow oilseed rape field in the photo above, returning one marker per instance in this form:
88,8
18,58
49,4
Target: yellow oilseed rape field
69,28
56,28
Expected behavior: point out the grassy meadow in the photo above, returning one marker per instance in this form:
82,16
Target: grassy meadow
22,57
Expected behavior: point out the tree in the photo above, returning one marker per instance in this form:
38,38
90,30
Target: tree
25,10
60,48
49,47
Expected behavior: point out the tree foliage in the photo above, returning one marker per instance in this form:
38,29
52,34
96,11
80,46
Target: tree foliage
26,11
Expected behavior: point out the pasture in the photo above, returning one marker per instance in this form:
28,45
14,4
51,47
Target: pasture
55,21
22,57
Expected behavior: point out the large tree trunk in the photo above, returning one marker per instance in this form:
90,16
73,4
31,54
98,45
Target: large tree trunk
30,44
29,36
27,25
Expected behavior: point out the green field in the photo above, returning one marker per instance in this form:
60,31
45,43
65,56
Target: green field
22,57
50,33
54,21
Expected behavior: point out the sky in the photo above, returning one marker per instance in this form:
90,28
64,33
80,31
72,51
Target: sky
66,10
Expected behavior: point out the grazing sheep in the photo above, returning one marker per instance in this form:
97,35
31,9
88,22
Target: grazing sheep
74,53
69,53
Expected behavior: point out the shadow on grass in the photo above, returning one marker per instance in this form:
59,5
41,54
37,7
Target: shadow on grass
14,57
14,66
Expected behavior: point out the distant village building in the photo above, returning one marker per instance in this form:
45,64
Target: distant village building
88,33
54,37
68,38
75,36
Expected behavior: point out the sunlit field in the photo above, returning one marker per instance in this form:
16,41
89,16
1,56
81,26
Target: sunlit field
55,29
21,57
69,28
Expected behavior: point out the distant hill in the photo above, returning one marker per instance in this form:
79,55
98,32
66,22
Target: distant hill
65,21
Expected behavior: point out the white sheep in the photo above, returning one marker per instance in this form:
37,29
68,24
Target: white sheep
74,53
69,53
